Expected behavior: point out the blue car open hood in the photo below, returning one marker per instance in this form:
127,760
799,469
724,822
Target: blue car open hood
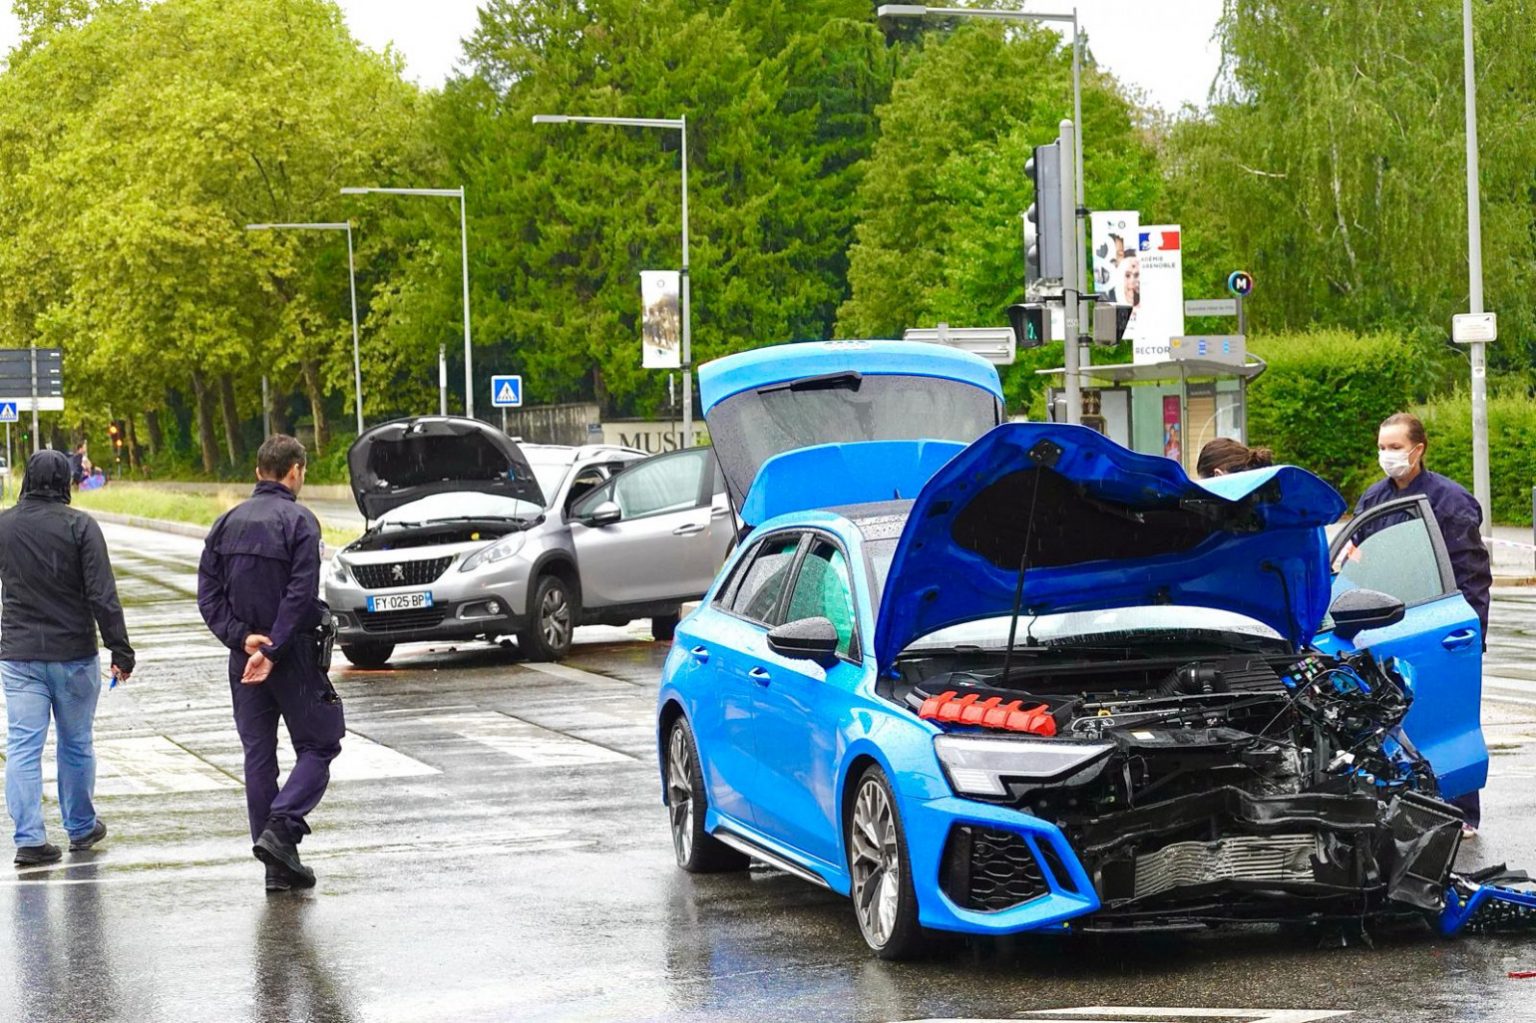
1099,526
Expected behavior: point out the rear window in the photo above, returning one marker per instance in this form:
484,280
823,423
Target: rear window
844,408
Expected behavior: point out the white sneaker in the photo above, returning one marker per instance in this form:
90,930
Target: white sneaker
1468,831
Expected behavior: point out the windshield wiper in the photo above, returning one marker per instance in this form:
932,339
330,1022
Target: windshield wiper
847,380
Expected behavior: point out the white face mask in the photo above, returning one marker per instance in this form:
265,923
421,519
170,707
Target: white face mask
1396,464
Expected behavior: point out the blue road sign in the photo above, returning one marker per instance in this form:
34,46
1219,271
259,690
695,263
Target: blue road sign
506,392
8,412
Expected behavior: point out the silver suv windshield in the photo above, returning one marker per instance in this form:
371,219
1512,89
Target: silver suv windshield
550,469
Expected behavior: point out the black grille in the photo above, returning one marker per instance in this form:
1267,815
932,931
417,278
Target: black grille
988,870
400,621
410,573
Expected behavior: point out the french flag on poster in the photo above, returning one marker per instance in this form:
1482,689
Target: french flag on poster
1161,240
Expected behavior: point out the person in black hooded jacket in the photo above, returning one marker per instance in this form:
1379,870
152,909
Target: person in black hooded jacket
58,590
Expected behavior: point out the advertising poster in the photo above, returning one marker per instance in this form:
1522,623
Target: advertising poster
1173,429
661,322
1153,280
1115,237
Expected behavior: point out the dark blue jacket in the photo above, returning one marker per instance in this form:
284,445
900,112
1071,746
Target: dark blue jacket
1460,518
260,572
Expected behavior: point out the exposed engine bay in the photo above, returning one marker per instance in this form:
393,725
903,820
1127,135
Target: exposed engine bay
392,536
1200,783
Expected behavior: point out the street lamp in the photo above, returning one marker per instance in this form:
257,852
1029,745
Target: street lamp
469,379
1481,483
357,364
680,125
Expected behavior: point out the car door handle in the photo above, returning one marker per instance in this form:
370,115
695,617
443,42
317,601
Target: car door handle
1458,639
700,654
719,513
690,529
760,676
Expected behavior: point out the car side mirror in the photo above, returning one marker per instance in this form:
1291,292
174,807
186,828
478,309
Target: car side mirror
606,513
1356,611
811,639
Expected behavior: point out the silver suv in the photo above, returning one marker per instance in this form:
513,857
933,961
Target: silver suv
472,534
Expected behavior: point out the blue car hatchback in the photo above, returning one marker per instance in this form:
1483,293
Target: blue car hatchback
988,677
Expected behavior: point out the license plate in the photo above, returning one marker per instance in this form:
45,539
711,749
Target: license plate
400,601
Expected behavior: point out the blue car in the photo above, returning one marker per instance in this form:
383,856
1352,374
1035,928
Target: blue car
989,677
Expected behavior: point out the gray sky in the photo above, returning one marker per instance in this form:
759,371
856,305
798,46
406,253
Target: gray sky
1162,46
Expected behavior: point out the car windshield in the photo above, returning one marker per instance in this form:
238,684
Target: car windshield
550,470
751,427
1113,625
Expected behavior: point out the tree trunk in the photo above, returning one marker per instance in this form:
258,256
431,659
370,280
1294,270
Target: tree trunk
152,425
131,442
280,423
205,435
234,442
311,369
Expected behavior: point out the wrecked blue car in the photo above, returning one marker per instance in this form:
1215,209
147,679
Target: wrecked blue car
989,677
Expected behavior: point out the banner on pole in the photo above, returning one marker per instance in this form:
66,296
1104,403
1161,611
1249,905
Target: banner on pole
661,322
1157,306
1114,239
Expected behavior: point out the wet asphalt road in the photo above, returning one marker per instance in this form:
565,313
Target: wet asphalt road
493,848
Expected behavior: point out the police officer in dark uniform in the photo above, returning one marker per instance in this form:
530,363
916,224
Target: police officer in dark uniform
257,589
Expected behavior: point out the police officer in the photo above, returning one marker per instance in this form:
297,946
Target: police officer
257,589
1400,445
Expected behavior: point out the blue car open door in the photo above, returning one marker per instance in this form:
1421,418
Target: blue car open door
1397,549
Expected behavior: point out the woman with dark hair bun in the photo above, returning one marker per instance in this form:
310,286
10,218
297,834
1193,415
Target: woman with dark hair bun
1224,455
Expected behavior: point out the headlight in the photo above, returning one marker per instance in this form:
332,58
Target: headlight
501,550
978,766
339,573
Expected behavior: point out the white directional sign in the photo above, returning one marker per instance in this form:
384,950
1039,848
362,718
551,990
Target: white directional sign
8,412
1210,307
1467,328
506,392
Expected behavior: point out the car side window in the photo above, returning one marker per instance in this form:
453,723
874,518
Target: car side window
1395,554
822,590
758,594
588,480
658,485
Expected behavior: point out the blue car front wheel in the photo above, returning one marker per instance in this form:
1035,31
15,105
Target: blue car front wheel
884,901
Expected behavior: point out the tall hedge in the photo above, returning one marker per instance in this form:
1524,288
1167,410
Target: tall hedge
1511,451
1319,403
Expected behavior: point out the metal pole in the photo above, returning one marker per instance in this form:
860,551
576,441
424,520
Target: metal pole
1482,487
687,306
357,361
1242,320
469,380
266,408
1085,352
36,437
1070,292
442,380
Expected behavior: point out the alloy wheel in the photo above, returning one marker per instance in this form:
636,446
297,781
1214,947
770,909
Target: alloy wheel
555,618
680,794
876,862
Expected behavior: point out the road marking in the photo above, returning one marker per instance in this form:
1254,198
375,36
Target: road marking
529,743
1140,1014
571,674
362,759
145,765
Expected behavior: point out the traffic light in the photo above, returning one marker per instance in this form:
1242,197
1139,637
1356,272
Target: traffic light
1042,221
1109,322
117,432
1030,323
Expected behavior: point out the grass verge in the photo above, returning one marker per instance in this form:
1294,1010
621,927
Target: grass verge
197,509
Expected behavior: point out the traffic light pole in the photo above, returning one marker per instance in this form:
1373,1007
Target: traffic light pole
1071,270
37,442
1481,483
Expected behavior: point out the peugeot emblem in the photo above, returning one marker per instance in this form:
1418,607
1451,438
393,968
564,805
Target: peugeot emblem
398,571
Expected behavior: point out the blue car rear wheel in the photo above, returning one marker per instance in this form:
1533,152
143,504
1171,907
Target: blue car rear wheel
698,852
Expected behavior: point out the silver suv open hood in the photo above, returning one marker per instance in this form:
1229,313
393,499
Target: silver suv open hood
405,460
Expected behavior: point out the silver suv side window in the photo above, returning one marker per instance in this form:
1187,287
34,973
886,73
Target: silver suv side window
657,485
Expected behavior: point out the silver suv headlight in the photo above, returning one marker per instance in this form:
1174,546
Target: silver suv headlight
501,550
339,573
978,766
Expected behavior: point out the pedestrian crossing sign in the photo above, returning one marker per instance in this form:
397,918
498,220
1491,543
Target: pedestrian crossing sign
506,392
8,412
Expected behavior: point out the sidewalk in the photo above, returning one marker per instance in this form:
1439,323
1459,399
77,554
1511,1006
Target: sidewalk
1513,553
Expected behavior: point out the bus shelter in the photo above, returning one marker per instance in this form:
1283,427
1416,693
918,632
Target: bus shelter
1168,408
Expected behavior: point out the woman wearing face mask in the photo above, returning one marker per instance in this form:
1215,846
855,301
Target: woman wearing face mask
1400,447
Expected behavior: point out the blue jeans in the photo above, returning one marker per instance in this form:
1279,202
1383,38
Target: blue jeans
68,691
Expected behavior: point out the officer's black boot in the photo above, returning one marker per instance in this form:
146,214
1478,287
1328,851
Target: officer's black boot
277,878
274,849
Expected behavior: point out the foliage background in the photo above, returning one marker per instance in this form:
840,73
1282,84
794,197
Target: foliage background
847,177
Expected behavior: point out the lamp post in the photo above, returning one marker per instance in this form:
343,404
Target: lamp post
1481,483
357,364
469,376
679,125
